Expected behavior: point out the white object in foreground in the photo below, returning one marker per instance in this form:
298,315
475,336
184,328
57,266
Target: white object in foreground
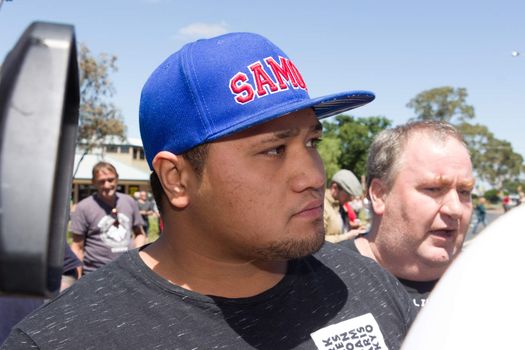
480,301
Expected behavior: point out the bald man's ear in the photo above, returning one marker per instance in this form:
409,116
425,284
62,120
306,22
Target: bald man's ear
377,192
172,171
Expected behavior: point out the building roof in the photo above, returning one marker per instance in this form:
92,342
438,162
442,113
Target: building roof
125,172
135,141
117,141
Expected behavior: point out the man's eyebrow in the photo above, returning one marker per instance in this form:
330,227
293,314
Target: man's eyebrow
467,183
285,134
443,180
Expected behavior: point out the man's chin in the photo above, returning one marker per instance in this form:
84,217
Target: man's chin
107,196
439,258
291,249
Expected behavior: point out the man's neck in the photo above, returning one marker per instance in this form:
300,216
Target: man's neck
109,201
191,269
399,268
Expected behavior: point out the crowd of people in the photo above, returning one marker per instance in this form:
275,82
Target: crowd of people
256,251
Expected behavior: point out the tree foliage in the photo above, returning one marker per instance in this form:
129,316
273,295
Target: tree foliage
493,159
330,150
442,103
346,142
98,116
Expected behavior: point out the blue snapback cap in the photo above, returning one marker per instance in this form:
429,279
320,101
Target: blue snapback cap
216,87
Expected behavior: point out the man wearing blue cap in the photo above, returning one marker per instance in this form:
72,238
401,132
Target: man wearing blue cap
230,133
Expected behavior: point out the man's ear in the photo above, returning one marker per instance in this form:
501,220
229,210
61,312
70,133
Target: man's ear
377,193
172,171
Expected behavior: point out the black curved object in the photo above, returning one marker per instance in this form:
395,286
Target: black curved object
39,100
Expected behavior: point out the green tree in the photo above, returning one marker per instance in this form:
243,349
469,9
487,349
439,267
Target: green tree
499,163
442,103
494,160
346,142
330,150
98,116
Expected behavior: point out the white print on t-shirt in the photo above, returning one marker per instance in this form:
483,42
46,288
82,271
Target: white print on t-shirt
423,301
357,333
115,236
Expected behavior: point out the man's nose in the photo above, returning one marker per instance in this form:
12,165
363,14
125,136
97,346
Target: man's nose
452,205
107,184
308,173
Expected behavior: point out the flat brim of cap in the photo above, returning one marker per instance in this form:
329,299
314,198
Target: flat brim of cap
323,107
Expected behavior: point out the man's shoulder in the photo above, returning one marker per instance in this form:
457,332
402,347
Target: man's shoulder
355,269
335,252
126,198
88,199
349,244
87,295
88,202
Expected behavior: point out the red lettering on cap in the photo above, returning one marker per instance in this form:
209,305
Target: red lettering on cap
281,72
262,79
297,75
285,72
242,90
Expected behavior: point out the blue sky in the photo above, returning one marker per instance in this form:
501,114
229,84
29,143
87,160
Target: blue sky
394,48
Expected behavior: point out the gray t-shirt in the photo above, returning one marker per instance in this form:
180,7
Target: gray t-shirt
335,299
106,234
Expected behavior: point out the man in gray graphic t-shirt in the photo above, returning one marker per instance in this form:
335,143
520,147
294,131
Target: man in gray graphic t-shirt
107,223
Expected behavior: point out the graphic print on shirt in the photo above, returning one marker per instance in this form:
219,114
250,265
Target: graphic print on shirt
115,232
360,332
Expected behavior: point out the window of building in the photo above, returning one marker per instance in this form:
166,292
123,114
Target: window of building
111,149
138,153
85,191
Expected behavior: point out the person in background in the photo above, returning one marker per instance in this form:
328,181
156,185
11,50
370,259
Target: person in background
146,209
481,214
419,179
338,214
105,224
160,224
505,201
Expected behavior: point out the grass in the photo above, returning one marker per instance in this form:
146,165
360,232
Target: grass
153,230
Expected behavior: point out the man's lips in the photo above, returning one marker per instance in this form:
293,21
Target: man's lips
313,208
445,233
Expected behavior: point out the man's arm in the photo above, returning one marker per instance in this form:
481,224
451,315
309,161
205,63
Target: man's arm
77,246
140,237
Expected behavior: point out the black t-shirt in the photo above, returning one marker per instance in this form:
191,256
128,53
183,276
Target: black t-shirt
418,290
347,299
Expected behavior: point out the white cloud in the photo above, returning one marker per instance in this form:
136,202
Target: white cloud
199,30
